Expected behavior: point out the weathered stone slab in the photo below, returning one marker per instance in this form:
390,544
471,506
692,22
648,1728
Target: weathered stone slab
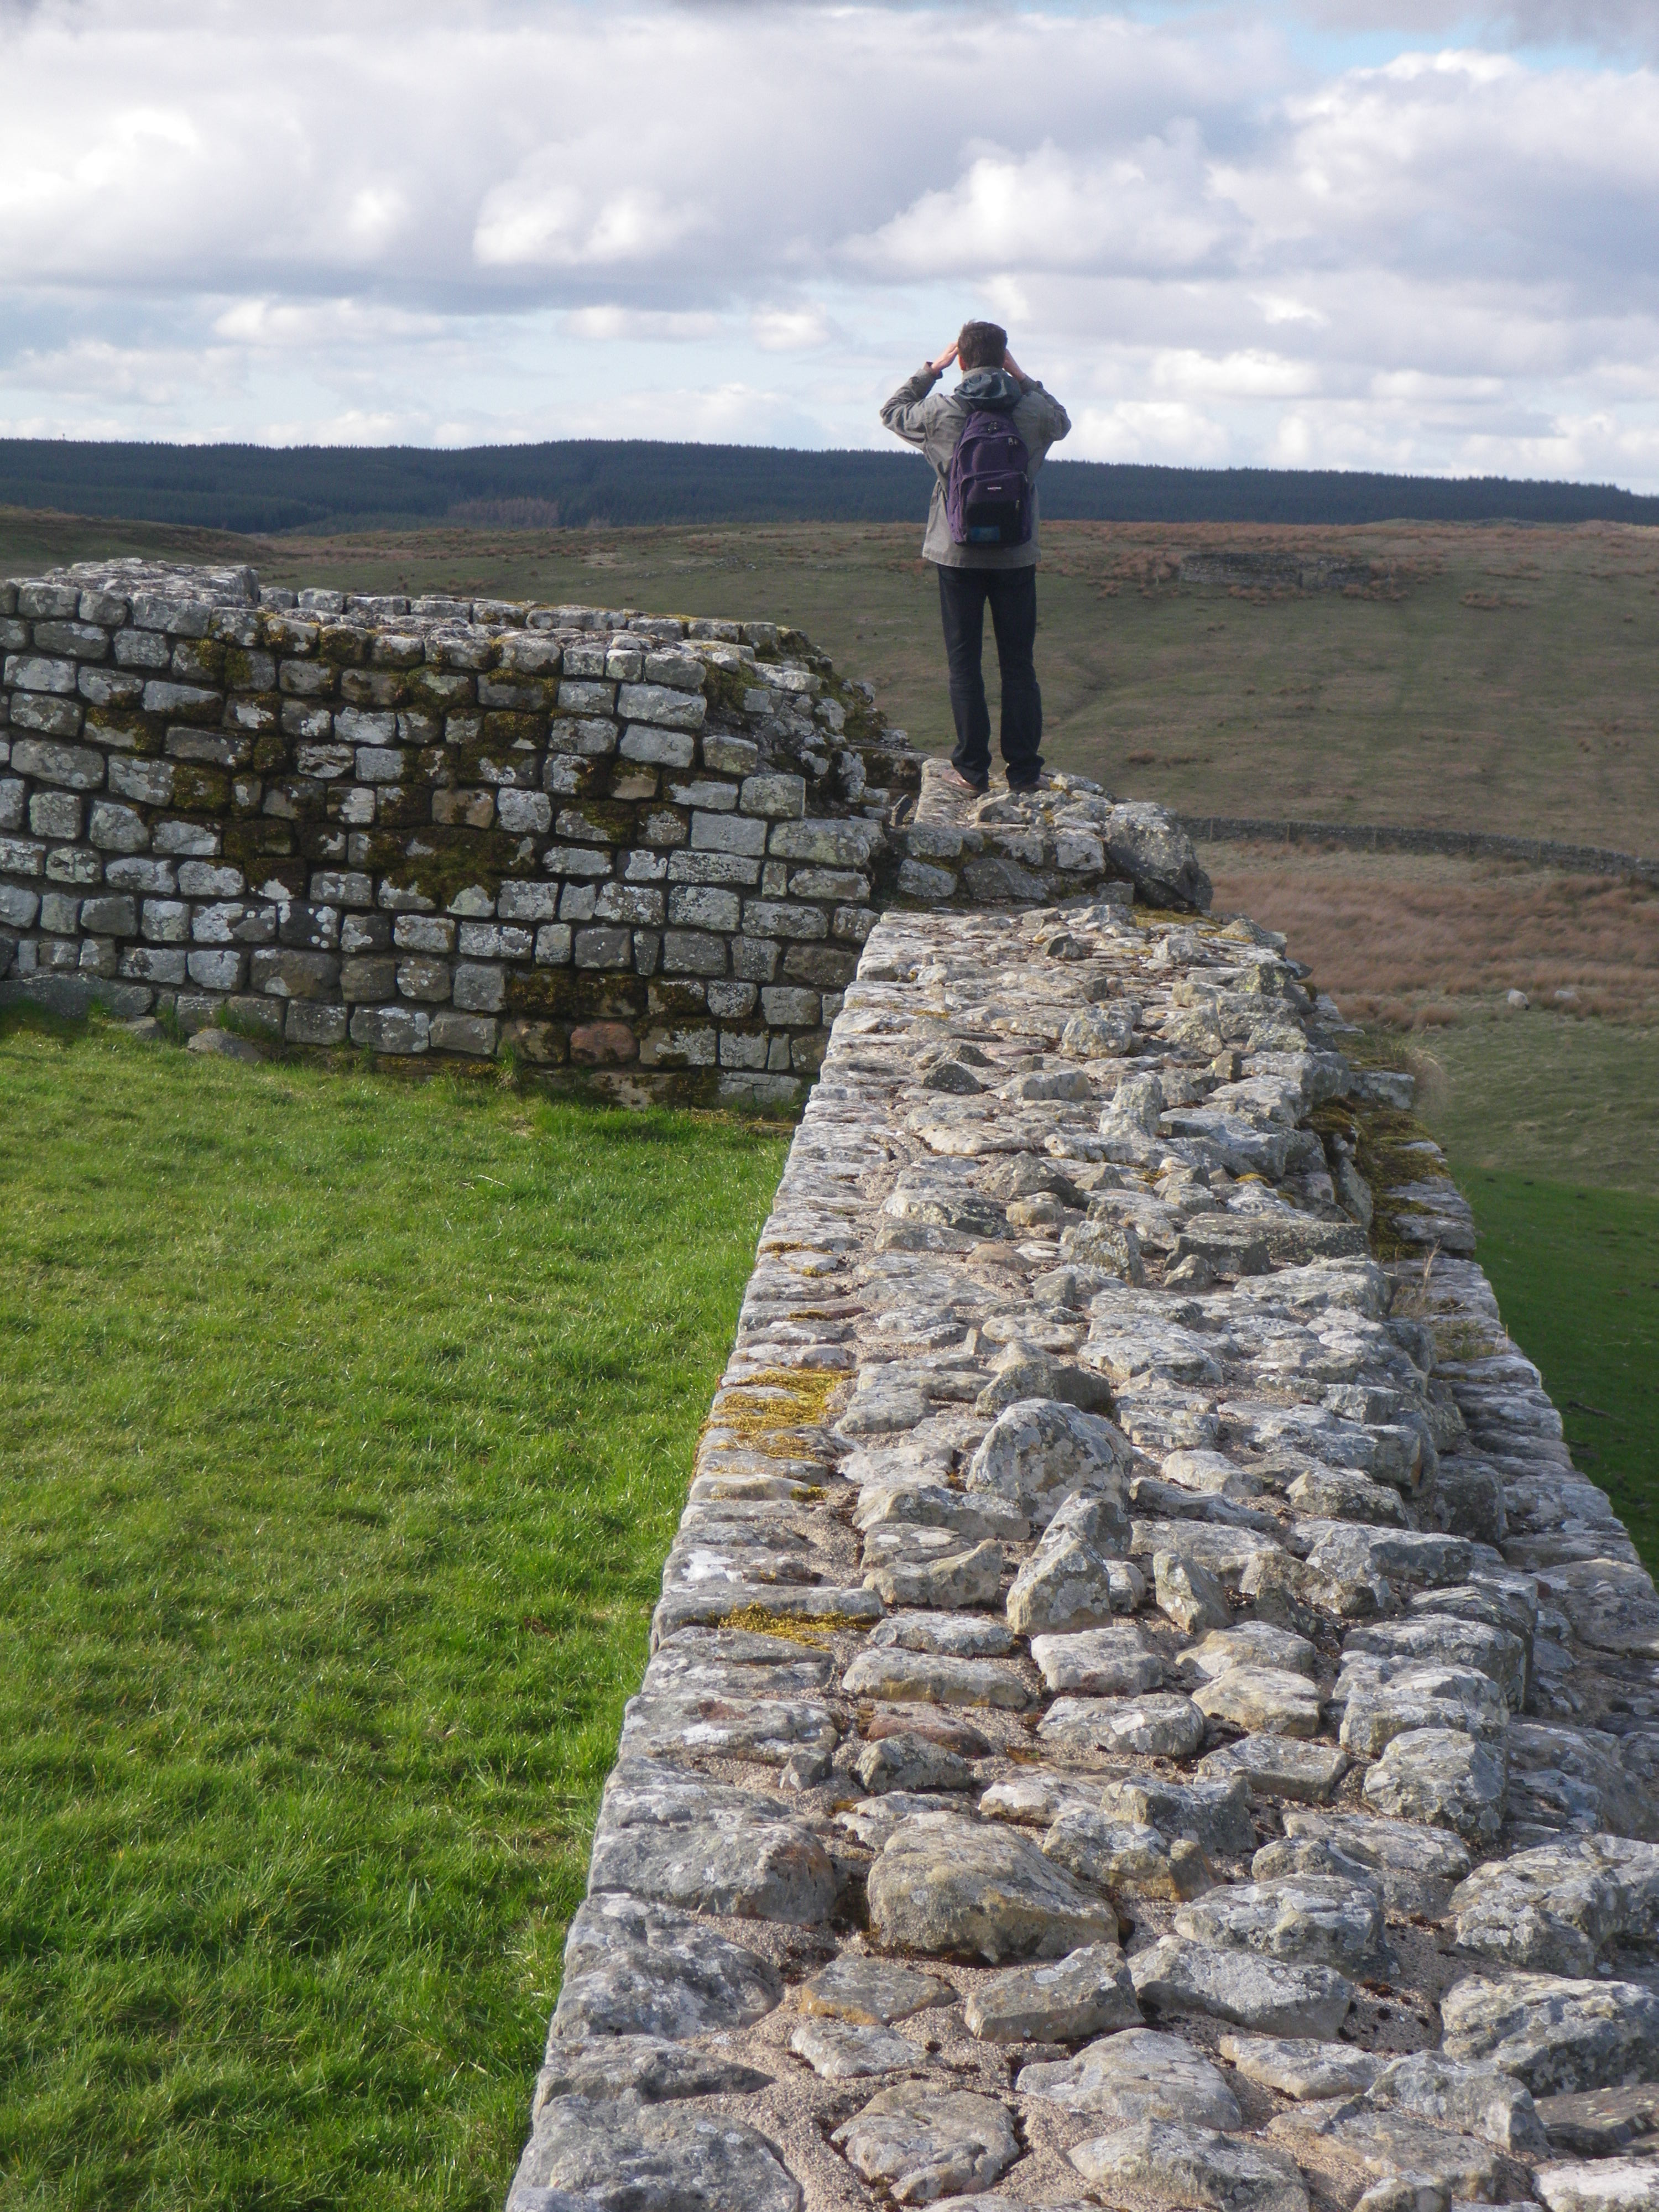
1421,1700
1251,1643
1267,1700
906,1761
1087,1993
1471,2099
1138,2075
1281,1766
935,1678
645,2068
641,1970
1161,1725
955,1635
1126,1858
771,1731
665,2158
1595,2122
871,1992
1072,1580
846,2051
1445,1640
1177,1975
1040,1451
947,1887
1296,2067
923,2142
1214,1814
1553,2033
1443,1779
1098,1662
1612,2185
1417,1868
664,1836
1556,1909
1170,2164
1306,1919
1389,2144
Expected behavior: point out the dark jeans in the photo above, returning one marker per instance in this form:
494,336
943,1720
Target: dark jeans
1012,593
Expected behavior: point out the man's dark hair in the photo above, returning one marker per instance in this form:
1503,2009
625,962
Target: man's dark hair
982,345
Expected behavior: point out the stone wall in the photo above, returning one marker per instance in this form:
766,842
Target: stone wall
1143,1710
632,843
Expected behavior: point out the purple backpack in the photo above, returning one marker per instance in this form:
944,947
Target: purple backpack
988,492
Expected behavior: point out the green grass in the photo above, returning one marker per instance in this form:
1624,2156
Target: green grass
1577,1274
346,1421
1545,1096
1552,1130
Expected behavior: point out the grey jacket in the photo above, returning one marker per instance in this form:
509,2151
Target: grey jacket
935,422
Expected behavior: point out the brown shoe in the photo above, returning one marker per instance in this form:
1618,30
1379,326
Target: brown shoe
952,777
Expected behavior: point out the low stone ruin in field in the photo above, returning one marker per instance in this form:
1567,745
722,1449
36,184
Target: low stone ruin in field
648,848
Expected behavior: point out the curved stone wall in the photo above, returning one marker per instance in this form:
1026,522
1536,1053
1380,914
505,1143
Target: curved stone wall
589,835
634,843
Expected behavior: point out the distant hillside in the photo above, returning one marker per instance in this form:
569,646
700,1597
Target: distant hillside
261,489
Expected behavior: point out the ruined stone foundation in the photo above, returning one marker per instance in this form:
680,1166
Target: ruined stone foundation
645,846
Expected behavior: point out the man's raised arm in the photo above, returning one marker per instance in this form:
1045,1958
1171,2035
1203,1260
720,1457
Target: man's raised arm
902,413
1059,422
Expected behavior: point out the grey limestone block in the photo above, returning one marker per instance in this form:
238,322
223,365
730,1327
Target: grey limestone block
947,1887
309,1022
476,1036
401,1029
923,2142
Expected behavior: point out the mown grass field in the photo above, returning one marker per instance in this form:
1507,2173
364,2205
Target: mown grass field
346,1421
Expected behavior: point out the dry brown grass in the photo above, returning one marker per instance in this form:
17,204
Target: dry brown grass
1417,941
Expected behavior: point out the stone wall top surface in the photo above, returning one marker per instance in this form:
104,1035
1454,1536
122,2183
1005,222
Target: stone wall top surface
1143,1710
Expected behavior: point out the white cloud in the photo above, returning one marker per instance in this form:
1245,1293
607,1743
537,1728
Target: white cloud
1153,430
308,326
749,222
640,326
792,330
546,218
1146,209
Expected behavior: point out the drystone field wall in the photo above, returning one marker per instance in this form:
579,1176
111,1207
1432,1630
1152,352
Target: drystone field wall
643,845
1143,1711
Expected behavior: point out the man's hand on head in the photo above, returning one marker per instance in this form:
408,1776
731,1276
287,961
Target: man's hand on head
943,362
1013,368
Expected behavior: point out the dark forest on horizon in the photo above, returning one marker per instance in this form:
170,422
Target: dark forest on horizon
625,483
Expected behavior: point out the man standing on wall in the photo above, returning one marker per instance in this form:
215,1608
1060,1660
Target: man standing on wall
985,440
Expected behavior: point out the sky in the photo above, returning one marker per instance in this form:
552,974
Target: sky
1391,234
